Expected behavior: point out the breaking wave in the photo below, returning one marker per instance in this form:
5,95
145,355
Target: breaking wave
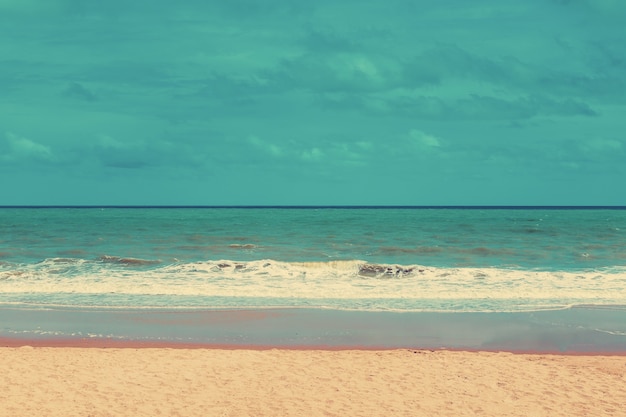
349,284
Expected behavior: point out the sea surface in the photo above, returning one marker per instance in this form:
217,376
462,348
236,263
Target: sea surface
364,259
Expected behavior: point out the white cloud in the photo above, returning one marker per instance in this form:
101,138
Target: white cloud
266,147
314,154
340,72
423,140
24,148
364,145
106,141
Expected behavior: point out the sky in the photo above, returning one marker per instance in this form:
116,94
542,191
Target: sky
299,102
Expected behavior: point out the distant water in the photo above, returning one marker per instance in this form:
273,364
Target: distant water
399,259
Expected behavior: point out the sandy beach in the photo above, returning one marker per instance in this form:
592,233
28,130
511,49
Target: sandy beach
79,381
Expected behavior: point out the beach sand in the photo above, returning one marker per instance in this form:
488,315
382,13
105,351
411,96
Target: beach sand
79,381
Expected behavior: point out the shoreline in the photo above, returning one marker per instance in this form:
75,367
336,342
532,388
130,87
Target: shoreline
79,343
576,331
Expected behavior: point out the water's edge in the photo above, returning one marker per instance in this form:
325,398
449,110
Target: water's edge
581,329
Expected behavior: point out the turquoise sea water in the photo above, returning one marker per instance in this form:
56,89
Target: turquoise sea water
399,259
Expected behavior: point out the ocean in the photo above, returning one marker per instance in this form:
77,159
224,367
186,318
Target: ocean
518,279
367,259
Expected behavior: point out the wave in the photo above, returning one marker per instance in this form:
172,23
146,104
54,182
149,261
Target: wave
128,261
334,268
342,284
611,332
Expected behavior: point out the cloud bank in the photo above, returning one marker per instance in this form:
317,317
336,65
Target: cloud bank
206,102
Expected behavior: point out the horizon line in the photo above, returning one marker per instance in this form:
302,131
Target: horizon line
330,206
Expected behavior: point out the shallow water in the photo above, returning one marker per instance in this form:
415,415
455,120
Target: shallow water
574,330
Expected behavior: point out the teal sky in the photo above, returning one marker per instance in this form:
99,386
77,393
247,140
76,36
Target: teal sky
295,102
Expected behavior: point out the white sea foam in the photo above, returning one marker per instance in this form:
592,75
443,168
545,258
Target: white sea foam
404,287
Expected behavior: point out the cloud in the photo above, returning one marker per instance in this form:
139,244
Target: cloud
487,107
117,154
313,154
321,151
509,73
457,108
266,147
437,64
144,152
429,149
423,140
232,88
336,72
155,89
448,82
349,154
23,149
325,40
77,91
603,145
